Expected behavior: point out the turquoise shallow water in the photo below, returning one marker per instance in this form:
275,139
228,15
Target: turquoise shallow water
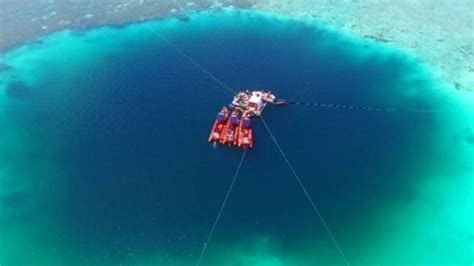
105,158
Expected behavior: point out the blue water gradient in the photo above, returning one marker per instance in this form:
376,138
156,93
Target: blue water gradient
128,118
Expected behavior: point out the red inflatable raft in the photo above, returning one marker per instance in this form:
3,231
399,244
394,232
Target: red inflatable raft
230,132
219,125
245,132
236,130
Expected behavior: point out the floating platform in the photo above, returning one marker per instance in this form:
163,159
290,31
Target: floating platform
236,129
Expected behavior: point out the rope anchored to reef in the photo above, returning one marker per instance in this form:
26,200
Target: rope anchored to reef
229,191
219,214
306,193
191,60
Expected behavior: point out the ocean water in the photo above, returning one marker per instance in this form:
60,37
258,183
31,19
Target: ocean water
105,158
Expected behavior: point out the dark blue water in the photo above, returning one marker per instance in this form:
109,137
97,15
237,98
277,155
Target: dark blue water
143,179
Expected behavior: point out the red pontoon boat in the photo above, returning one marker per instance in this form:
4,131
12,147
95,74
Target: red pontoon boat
238,131
245,132
230,132
219,125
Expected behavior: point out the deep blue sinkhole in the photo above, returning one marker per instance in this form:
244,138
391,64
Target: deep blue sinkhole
143,176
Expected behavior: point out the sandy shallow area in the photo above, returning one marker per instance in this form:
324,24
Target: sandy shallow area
438,32
24,21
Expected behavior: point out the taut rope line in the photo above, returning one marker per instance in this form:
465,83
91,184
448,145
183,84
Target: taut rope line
305,191
213,228
290,166
190,59
372,109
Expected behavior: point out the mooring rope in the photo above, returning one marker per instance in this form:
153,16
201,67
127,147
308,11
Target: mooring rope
371,109
190,59
206,244
229,191
305,191
343,106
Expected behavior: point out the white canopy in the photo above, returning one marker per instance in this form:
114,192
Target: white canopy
256,98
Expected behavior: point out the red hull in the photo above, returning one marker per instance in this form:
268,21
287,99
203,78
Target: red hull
219,125
230,132
245,135
245,139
